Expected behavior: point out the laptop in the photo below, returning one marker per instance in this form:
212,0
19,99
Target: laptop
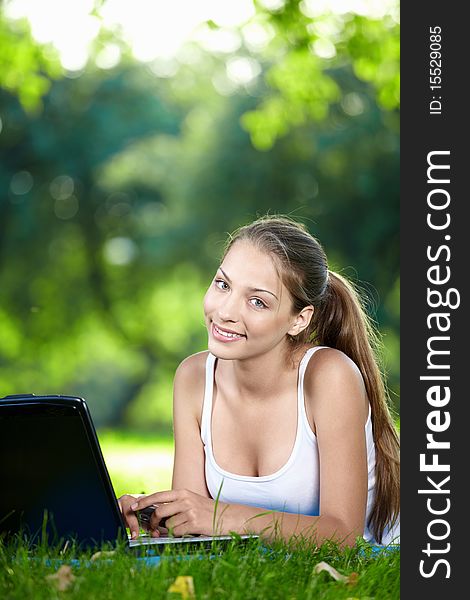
54,478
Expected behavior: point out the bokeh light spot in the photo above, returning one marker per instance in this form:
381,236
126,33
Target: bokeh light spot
242,70
352,104
66,208
224,41
21,183
257,36
323,48
62,187
108,57
120,251
272,5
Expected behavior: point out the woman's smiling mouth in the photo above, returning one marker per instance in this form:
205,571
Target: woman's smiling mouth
225,335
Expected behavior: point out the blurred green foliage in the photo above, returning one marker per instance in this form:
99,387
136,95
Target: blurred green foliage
26,68
117,191
305,54
138,462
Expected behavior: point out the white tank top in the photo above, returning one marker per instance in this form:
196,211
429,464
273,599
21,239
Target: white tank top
295,487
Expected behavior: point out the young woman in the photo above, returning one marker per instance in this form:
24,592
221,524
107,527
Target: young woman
282,426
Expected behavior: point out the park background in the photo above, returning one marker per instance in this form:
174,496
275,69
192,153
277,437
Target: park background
133,137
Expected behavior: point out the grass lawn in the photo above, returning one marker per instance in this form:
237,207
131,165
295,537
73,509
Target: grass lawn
256,570
239,572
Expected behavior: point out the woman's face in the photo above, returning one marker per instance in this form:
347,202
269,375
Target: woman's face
247,308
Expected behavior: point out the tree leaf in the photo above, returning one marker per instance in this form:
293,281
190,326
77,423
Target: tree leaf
348,579
63,579
103,554
183,585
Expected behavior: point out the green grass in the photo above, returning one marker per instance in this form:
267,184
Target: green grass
238,572
143,463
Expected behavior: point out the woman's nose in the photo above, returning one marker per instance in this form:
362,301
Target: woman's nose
228,309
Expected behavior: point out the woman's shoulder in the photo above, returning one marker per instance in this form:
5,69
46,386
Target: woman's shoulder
193,366
188,386
192,369
331,362
331,375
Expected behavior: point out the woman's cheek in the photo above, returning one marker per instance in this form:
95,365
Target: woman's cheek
208,302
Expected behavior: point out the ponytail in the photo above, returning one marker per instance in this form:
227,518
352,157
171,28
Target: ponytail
341,322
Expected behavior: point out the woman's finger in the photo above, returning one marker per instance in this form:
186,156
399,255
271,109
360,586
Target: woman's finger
133,524
126,500
128,514
156,498
177,525
152,519
131,521
163,512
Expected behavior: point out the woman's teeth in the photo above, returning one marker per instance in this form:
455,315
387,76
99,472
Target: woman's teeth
227,334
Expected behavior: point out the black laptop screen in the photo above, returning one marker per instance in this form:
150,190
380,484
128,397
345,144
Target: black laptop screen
48,466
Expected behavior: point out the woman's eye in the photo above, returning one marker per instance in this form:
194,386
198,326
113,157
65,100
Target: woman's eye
221,284
257,303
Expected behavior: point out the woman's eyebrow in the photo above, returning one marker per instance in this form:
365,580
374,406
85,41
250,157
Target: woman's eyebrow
253,289
261,290
225,275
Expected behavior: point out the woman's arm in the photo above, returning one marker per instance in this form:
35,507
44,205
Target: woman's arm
188,467
336,402
188,513
188,393
335,399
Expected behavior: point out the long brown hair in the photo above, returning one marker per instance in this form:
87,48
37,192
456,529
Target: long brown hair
339,321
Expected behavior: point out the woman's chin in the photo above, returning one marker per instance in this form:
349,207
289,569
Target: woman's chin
223,349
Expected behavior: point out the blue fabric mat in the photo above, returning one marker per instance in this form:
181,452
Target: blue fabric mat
154,560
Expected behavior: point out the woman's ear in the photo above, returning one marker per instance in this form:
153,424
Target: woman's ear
302,321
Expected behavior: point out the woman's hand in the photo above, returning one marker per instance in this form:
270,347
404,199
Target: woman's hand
184,512
130,517
132,521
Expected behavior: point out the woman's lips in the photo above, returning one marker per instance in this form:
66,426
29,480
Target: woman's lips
225,335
